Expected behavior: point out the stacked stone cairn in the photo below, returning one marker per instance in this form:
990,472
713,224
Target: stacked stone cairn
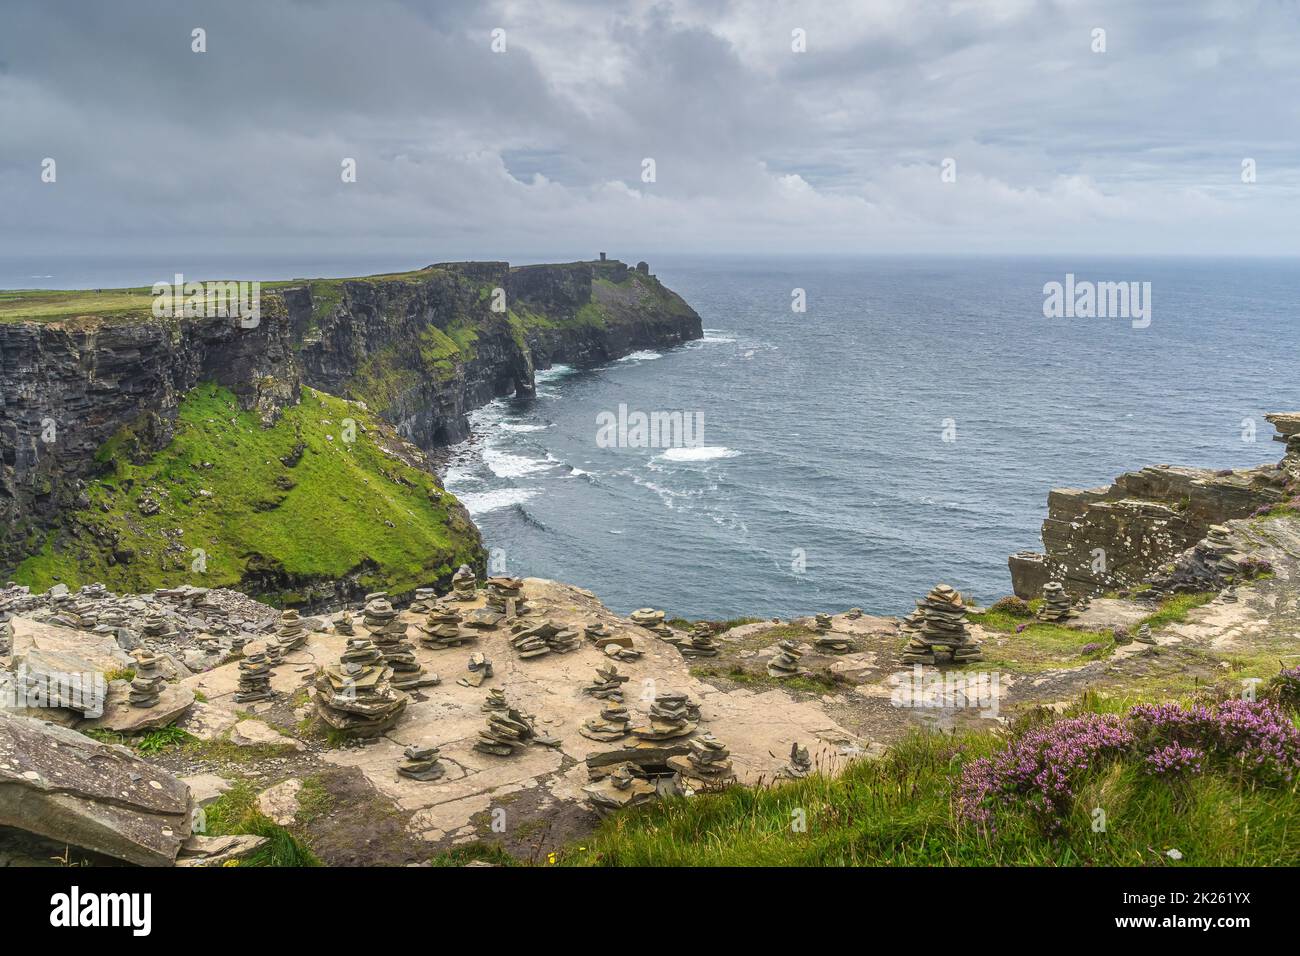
624,786
496,700
441,628
614,723
508,731
785,663
291,633
1144,635
147,685
853,613
608,685
1057,607
156,626
670,717
356,695
534,640
480,669
942,627
343,624
505,596
464,586
422,763
388,632
424,599
827,641
800,762
699,642
707,765
254,678
821,622
653,621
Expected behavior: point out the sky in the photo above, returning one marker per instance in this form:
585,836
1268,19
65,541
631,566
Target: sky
901,126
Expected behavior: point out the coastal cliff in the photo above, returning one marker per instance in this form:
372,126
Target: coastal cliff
93,386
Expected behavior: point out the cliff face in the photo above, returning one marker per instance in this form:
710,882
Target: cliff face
420,349
1114,537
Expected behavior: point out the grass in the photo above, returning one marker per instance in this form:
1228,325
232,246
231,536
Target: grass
229,492
1043,646
235,812
897,811
809,683
1174,609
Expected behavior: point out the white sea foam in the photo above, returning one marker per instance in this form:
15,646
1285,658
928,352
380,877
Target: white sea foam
552,373
505,465
642,356
702,453
520,427
479,502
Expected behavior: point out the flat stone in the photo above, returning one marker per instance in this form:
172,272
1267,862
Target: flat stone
280,803
254,733
205,788
119,716
218,851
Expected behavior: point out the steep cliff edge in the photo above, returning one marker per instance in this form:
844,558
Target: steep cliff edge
1118,536
92,382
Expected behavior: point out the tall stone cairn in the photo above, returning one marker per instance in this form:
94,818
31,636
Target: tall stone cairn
1057,606
941,629
356,695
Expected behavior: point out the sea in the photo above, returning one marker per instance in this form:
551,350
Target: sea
863,428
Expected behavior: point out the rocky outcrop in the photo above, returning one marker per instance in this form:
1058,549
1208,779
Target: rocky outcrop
61,784
1117,536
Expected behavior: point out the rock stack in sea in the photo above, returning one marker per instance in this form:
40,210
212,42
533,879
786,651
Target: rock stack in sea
1143,635
356,695
614,723
1057,606
608,684
785,663
344,624
254,678
505,596
291,633
480,669
707,765
942,628
507,732
670,717
699,642
464,586
421,763
147,685
625,785
800,762
441,628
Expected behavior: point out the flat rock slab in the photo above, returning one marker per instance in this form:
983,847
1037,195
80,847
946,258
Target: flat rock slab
205,788
254,733
280,803
63,785
207,721
97,652
119,716
218,851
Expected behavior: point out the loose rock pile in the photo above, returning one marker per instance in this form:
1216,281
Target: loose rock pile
356,695
942,628
480,669
508,731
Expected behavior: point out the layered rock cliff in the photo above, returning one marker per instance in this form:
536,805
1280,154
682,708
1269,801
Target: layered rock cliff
84,386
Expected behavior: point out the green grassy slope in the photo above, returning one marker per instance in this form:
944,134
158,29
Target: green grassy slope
233,489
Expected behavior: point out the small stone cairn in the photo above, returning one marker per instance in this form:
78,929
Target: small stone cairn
608,685
653,621
624,786
505,596
480,669
1143,635
800,762
388,632
254,678
147,685
423,600
785,663
699,642
356,695
827,641
464,586
508,731
343,624
942,627
421,763
707,765
542,637
614,723
291,634
495,700
1057,607
671,715
441,628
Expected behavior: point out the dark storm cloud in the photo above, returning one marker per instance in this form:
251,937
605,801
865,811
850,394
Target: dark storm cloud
838,148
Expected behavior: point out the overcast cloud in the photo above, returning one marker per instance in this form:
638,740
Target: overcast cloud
465,152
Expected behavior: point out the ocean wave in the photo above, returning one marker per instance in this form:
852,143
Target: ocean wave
643,356
552,373
479,502
505,465
520,427
701,453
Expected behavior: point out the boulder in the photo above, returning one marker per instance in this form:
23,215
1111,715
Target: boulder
280,803
120,717
205,788
63,785
218,851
